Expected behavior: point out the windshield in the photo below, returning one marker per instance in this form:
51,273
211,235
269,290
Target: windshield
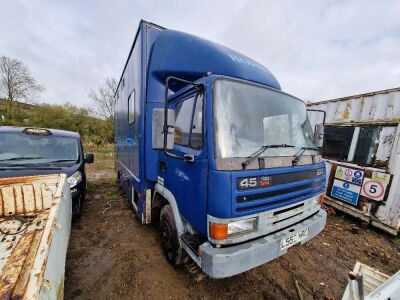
247,117
22,148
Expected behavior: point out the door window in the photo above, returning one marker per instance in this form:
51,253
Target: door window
189,122
183,113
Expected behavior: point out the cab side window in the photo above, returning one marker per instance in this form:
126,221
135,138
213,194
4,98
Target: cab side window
183,113
189,122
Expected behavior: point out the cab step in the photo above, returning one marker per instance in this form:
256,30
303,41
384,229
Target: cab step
193,241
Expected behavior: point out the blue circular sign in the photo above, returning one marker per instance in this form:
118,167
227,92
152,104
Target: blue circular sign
357,174
346,185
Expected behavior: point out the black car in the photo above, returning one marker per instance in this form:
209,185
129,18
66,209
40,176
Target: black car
39,151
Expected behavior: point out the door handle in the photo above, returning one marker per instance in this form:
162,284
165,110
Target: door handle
163,166
188,158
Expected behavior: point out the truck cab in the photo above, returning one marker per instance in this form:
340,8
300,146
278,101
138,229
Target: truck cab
230,165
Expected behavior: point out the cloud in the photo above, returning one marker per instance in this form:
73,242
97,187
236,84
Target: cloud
322,49
317,49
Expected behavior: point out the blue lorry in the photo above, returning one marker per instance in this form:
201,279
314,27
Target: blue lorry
209,146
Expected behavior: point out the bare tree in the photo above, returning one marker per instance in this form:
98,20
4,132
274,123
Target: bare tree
16,82
102,99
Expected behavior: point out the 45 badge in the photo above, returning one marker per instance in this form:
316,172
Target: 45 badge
253,182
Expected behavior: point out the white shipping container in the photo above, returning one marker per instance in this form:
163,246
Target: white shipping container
35,223
362,134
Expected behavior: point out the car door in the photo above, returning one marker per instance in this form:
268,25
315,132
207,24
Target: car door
187,179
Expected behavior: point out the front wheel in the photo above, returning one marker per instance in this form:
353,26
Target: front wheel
77,207
169,235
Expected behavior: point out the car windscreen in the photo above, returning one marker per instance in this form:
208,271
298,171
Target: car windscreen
22,148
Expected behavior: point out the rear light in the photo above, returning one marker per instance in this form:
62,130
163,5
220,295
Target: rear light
218,231
37,131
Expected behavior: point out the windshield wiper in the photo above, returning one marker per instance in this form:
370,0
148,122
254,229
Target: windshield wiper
299,153
5,167
60,160
261,151
22,158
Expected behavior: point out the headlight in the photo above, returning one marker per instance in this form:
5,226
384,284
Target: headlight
242,226
221,231
74,179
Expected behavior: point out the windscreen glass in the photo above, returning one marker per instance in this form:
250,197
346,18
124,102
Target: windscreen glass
22,148
247,117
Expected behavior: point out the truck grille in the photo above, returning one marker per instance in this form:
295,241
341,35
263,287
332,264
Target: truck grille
280,195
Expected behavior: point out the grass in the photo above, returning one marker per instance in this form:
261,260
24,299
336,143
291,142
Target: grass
112,196
396,240
93,185
105,151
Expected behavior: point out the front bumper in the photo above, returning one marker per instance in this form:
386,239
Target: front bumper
229,261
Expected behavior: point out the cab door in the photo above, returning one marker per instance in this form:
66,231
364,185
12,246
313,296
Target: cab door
187,178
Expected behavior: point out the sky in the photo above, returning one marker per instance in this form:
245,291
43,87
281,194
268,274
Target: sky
317,49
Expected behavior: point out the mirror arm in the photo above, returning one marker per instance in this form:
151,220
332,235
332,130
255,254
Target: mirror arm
166,126
321,111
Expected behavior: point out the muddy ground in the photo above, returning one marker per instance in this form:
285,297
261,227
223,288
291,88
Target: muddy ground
112,256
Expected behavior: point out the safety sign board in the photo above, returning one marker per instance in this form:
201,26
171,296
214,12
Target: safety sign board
345,191
348,174
381,177
373,189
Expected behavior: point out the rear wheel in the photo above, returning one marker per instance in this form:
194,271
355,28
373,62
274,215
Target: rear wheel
169,235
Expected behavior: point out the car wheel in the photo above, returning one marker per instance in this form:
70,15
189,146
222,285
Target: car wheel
169,235
77,208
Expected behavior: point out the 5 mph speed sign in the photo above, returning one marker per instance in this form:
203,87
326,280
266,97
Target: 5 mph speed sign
373,189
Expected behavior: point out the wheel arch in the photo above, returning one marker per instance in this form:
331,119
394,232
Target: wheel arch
167,197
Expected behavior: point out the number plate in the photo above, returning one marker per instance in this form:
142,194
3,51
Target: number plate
293,239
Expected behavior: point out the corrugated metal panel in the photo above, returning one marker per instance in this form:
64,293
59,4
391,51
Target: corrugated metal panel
377,107
386,142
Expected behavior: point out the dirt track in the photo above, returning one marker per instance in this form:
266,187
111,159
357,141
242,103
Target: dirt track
112,256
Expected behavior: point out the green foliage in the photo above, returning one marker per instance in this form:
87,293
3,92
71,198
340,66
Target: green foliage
66,117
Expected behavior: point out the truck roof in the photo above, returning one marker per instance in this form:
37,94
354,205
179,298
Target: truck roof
175,53
56,132
187,56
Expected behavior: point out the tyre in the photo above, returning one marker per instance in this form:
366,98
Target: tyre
77,207
169,235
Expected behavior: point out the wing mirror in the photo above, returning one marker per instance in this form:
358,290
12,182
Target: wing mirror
319,135
157,136
319,127
89,159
